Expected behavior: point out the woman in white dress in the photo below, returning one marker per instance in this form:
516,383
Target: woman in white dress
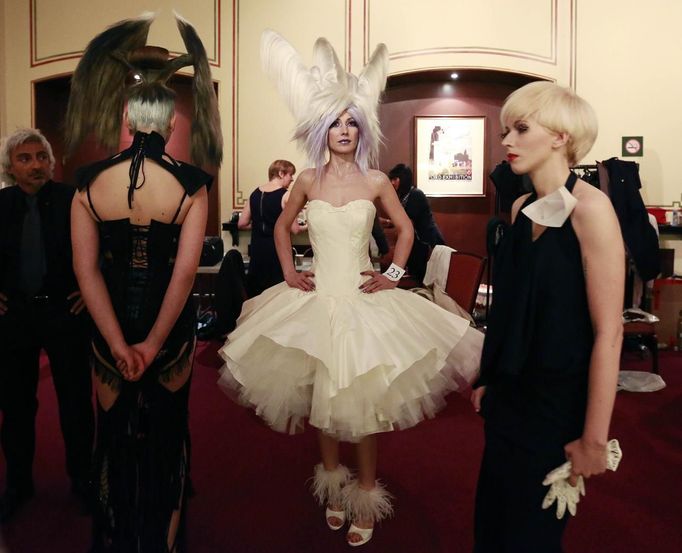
339,345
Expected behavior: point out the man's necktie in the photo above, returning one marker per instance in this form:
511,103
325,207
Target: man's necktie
33,264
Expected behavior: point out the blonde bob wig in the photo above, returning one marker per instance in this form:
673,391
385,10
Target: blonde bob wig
559,110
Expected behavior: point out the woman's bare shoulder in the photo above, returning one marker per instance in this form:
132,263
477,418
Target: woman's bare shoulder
377,176
377,180
307,175
593,215
591,200
304,181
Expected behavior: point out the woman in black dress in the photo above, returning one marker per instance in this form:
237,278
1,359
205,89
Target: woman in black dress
138,223
551,355
265,205
146,324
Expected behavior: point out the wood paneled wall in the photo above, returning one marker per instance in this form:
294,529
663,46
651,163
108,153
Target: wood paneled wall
482,93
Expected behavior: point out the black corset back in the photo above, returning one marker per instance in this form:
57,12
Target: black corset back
137,265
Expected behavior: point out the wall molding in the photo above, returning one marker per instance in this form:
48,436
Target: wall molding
34,13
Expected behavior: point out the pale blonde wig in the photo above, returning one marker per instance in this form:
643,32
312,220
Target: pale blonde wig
559,110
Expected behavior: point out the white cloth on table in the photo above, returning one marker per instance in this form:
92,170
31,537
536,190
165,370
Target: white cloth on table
438,266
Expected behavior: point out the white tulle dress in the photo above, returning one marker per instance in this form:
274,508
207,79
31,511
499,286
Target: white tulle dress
351,363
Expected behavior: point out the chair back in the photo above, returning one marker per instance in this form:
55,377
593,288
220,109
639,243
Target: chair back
464,278
230,292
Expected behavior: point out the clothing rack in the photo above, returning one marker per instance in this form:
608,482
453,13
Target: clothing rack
588,173
583,169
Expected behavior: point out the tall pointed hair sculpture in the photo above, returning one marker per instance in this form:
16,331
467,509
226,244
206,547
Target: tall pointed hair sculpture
316,96
116,62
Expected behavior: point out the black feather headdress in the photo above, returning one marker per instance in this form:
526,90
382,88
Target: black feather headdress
118,60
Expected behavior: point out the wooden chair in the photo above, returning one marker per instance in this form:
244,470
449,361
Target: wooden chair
230,292
464,278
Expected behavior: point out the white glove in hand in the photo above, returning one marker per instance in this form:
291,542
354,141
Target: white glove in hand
568,496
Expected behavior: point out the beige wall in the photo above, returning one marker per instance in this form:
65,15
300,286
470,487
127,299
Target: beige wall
621,55
629,67
3,50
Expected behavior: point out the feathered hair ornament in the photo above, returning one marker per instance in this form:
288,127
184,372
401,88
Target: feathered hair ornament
316,96
116,63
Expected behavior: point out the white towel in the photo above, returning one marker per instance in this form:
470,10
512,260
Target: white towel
438,266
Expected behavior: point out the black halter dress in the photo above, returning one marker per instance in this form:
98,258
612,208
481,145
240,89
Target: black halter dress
539,341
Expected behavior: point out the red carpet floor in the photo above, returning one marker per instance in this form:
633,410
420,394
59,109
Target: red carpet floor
251,493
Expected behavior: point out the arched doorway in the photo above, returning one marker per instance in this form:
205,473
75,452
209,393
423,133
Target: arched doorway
476,92
50,100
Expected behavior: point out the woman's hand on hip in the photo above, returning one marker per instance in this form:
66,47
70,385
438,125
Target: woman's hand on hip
377,283
303,280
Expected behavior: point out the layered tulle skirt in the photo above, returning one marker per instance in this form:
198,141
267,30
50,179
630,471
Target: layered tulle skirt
352,365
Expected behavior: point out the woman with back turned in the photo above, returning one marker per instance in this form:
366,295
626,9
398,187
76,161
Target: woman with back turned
138,224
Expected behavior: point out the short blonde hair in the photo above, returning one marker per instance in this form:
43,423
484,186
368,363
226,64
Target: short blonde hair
559,110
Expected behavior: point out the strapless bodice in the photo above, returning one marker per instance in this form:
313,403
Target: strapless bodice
339,237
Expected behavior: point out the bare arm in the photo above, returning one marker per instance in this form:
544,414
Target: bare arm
385,222
297,199
399,219
596,226
295,227
404,232
182,280
85,243
245,216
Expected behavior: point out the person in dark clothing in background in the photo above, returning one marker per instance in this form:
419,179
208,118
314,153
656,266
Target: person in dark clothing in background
260,213
40,308
416,205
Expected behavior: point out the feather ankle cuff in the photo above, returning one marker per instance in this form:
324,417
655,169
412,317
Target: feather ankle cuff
367,505
327,484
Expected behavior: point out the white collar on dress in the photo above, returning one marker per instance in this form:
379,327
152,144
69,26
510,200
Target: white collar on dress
551,210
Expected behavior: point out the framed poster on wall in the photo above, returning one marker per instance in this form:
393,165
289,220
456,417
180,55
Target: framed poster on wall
450,155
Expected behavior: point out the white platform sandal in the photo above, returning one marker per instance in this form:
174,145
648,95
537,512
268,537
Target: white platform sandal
326,488
365,505
364,533
330,514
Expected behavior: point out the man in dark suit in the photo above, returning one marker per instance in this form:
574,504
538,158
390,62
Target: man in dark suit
40,308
